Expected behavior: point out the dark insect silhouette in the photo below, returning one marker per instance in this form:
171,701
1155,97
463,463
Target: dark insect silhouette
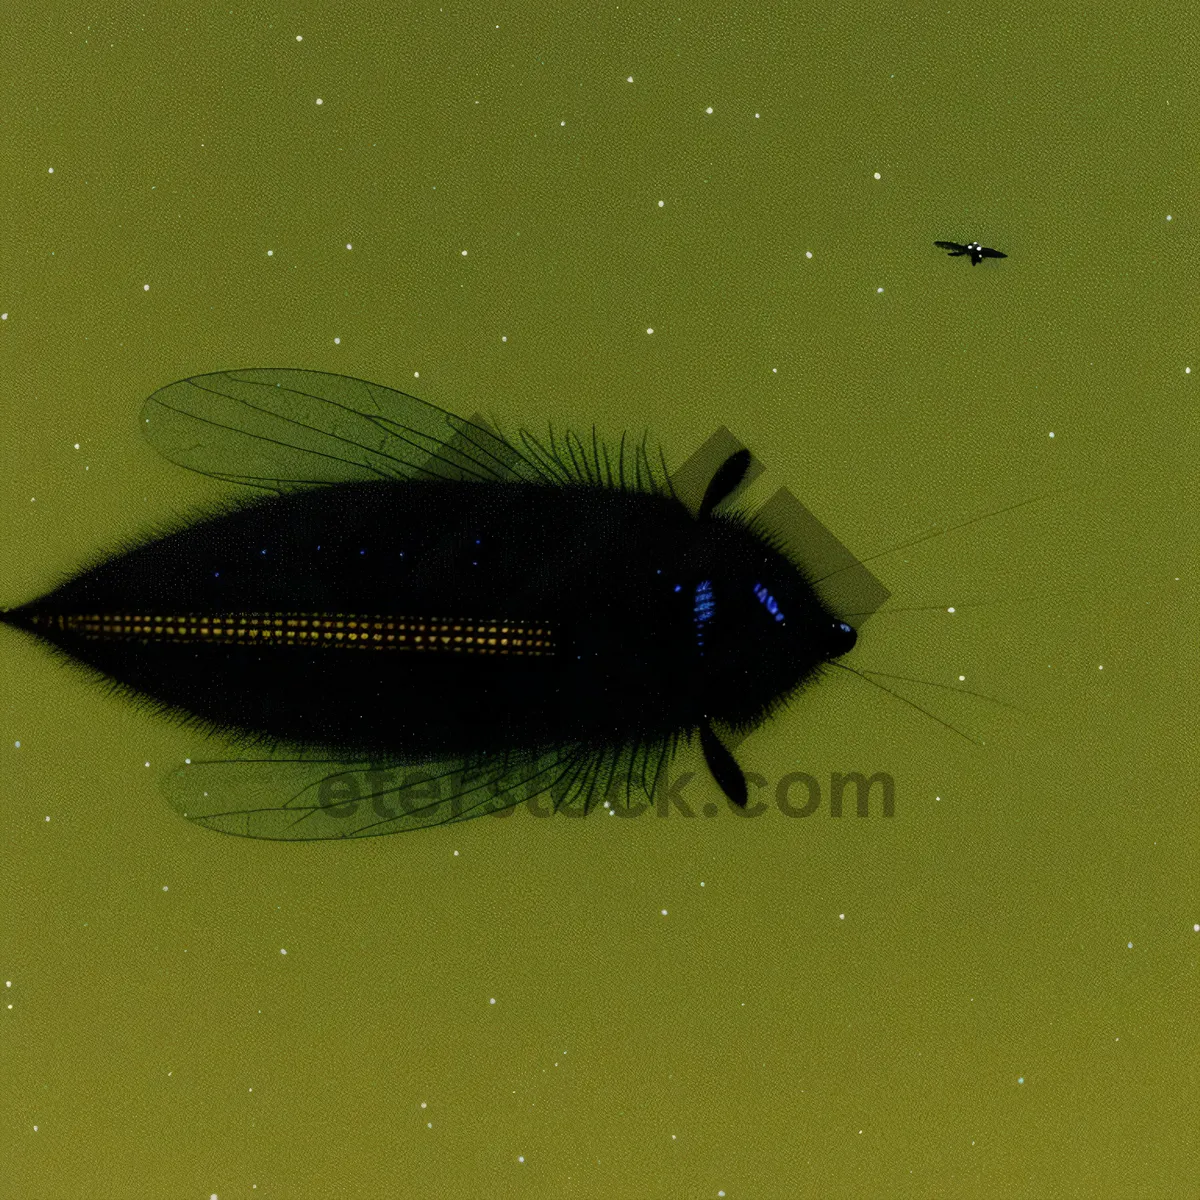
415,620
977,252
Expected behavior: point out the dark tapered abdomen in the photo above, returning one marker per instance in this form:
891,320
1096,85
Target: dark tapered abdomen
424,618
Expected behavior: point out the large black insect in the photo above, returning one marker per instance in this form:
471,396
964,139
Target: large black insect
437,621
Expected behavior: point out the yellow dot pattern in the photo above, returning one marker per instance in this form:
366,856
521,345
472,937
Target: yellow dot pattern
349,631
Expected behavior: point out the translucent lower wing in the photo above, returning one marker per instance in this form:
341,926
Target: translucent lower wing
305,799
277,428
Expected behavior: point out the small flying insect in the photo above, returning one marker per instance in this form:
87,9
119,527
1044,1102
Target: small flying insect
977,252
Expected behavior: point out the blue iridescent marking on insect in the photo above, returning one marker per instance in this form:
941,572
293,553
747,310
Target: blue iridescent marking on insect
768,602
703,606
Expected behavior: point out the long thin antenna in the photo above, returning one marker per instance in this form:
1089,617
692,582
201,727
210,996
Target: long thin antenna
905,700
943,608
998,512
949,687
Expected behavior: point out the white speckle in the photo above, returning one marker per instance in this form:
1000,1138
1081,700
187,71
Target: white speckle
877,175
1100,667
464,254
76,445
950,610
320,101
165,888
808,254
282,950
879,291
702,883
49,172
962,679
299,37
757,115
1196,928
520,1158
562,123
270,253
650,329
503,338
16,745
841,916
1051,434
662,204
416,374
423,1105
937,797
1186,370
47,818
709,110
1168,216
629,79
492,1000
4,317
663,911
1020,1078
337,341
145,287
349,246
456,854
1128,945
145,764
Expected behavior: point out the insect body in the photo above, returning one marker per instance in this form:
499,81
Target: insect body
440,621
977,252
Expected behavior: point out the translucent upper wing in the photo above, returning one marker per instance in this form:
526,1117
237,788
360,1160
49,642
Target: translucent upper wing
276,429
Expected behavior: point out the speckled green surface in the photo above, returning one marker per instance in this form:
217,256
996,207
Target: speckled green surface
992,992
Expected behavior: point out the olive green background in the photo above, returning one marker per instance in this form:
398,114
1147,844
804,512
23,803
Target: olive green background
992,993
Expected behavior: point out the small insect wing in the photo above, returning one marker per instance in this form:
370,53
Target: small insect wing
309,798
279,429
